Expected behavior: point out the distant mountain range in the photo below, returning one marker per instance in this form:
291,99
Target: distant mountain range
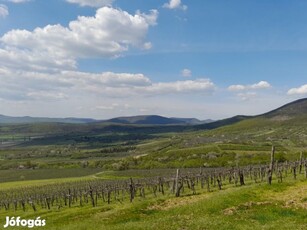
157,120
137,120
30,120
289,111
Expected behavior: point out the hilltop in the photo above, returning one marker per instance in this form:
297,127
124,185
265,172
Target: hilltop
156,120
291,111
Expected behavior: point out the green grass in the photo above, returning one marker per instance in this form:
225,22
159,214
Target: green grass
256,206
129,147
41,174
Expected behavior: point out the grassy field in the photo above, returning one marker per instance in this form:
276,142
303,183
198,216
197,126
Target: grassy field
254,206
43,174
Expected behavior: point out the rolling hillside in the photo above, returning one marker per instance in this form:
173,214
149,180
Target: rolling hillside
287,125
291,111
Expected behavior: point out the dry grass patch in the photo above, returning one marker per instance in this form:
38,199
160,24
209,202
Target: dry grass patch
178,202
248,205
294,197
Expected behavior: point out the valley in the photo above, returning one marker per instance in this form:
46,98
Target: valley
40,158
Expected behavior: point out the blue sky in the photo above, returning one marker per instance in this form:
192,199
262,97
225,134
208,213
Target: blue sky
108,58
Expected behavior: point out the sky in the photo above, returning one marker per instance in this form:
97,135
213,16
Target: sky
208,59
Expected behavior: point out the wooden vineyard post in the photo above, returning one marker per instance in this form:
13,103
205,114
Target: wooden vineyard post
155,190
92,196
177,187
208,183
255,176
142,192
301,163
131,190
236,177
69,198
294,171
241,175
109,196
219,183
176,181
161,187
193,186
270,171
279,175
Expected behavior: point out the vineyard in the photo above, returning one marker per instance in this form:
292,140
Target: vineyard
97,192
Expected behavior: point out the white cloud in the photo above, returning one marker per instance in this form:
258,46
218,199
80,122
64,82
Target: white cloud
92,3
108,34
186,73
38,71
26,85
247,96
175,4
4,11
43,95
124,84
236,87
300,90
259,85
147,46
97,82
189,86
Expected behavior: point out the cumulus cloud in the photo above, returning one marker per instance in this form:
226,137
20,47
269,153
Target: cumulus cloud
199,85
175,4
186,73
125,84
39,67
26,85
108,34
302,90
92,3
259,85
107,80
4,11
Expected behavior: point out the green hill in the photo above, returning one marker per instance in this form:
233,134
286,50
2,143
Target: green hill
295,111
286,125
289,111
